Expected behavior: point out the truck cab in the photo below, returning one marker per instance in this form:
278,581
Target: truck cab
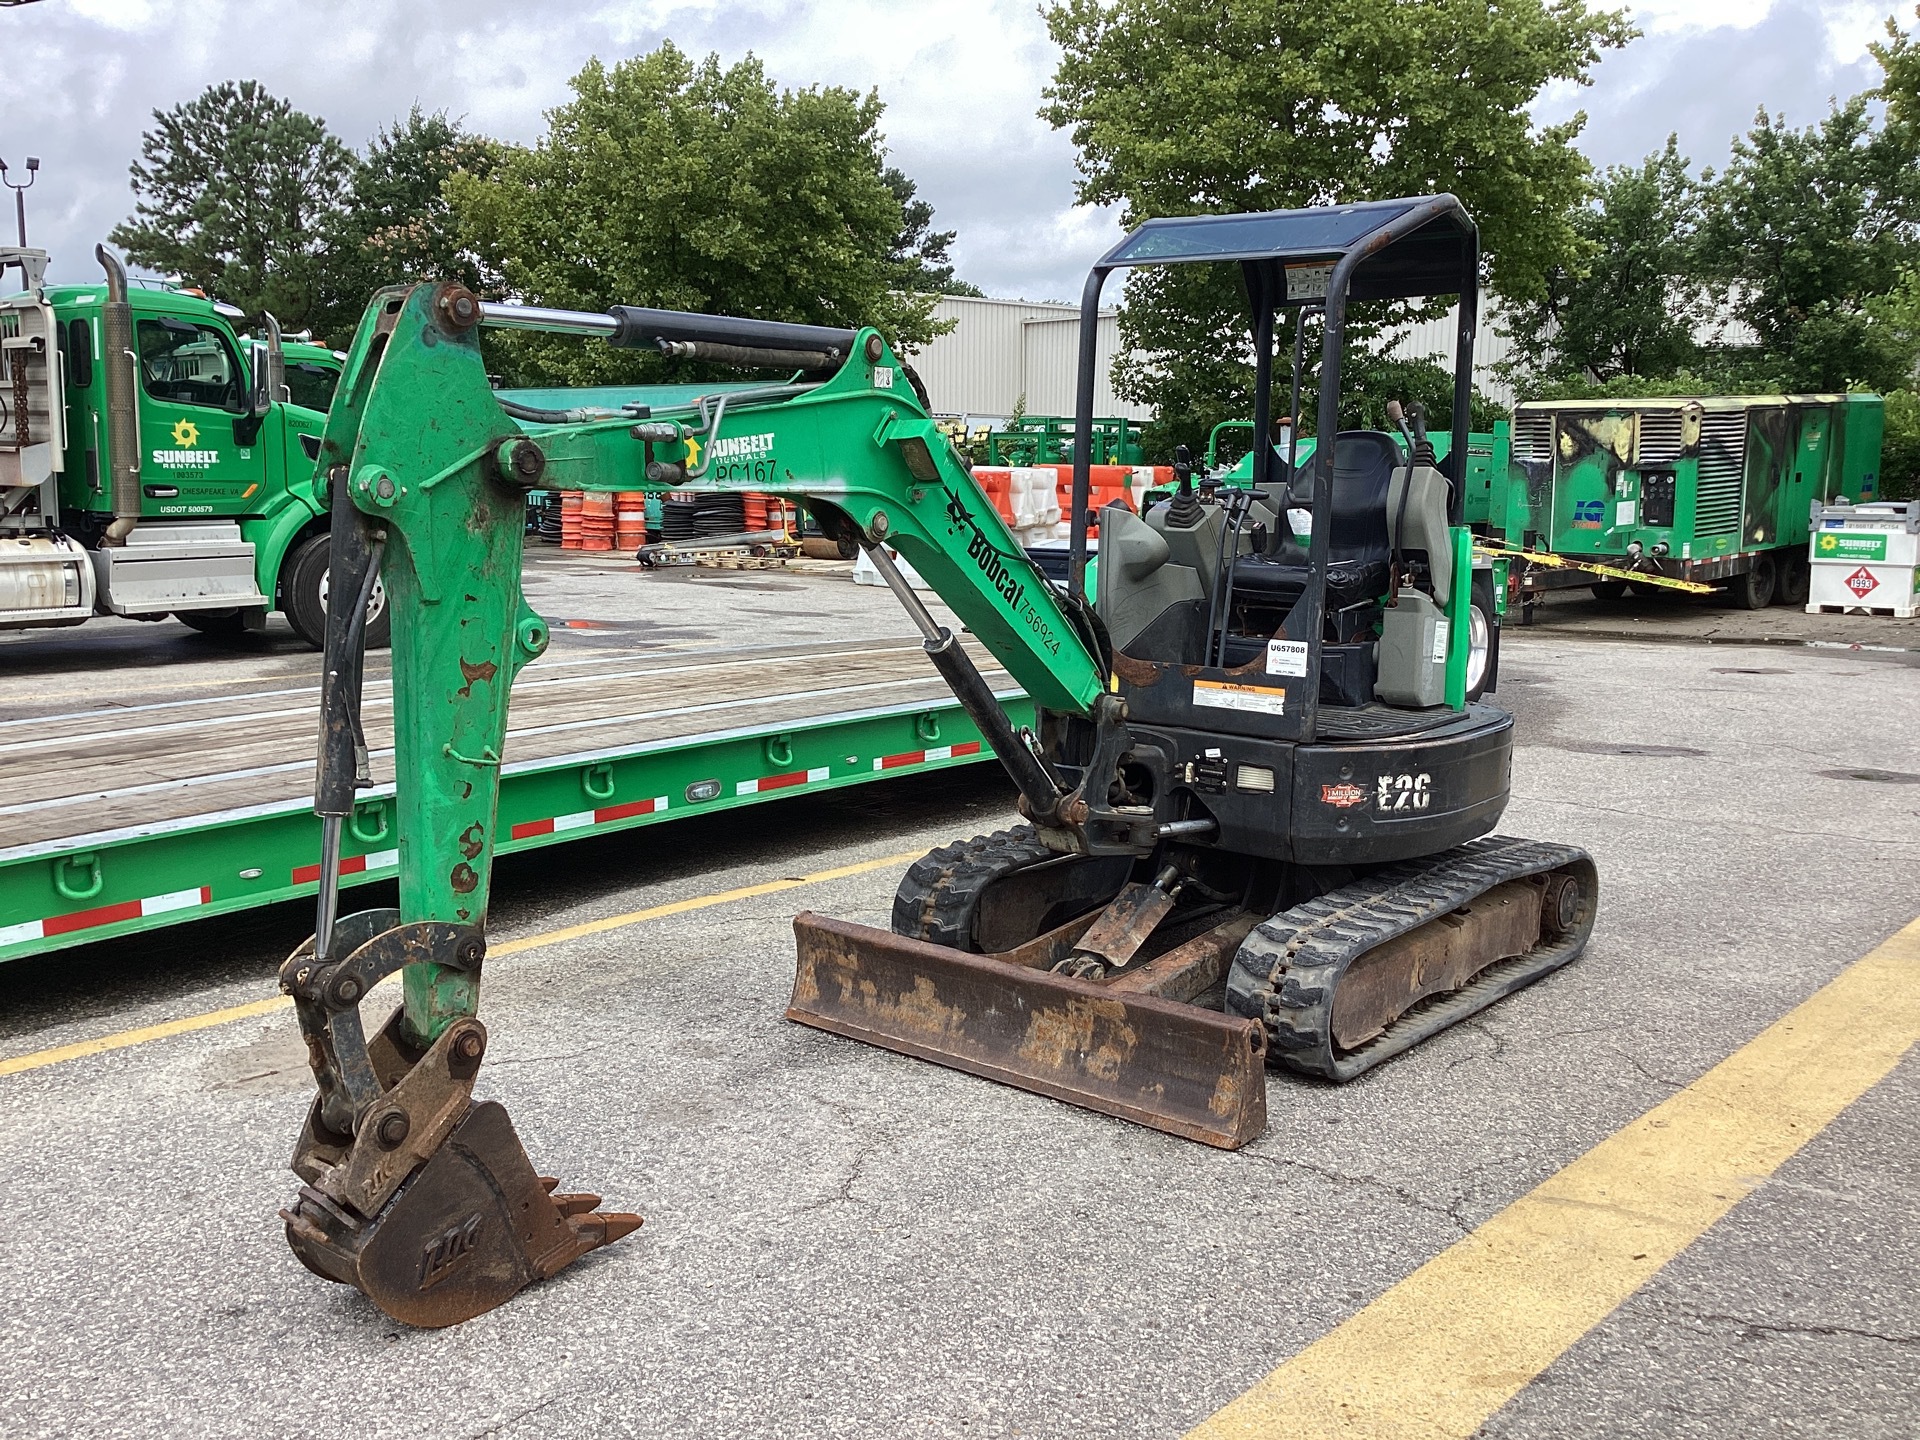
152,463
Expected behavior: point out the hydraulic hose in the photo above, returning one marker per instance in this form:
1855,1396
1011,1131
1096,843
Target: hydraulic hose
635,325
535,415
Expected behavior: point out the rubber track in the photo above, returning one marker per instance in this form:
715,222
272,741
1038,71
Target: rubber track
1286,971
936,900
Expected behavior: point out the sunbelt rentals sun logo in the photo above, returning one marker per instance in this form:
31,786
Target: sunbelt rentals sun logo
186,436
1850,545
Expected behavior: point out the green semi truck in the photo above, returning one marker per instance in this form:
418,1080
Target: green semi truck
152,464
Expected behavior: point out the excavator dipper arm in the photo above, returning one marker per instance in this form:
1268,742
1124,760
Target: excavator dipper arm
413,1192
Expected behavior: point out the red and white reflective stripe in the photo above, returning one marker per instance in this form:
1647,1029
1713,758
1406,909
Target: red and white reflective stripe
781,782
351,865
920,757
581,819
105,915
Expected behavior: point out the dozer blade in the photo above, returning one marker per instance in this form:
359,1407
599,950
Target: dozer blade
1189,1071
431,1209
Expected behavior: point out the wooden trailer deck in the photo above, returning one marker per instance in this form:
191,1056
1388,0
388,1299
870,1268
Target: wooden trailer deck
150,761
189,796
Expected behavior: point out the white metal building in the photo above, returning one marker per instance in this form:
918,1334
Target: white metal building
1003,350
1433,340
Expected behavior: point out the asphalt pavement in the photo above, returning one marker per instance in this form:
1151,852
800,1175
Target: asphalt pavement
841,1241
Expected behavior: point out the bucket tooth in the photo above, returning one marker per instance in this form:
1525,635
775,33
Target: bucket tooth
434,1211
1189,1071
466,1232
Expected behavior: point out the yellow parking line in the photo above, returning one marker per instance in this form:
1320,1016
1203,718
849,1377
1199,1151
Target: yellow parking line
1439,1352
182,1026
39,1059
681,907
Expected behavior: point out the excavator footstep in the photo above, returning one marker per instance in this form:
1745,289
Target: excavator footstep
471,1228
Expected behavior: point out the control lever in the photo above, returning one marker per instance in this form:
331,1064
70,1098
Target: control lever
1183,510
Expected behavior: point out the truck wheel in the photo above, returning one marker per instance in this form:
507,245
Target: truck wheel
1796,579
1483,638
224,624
1609,589
1754,589
304,593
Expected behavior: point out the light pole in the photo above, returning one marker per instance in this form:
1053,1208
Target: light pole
20,194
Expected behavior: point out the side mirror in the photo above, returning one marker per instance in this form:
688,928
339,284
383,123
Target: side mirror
260,360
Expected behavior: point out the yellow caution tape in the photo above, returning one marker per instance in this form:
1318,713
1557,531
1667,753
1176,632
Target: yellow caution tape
1610,572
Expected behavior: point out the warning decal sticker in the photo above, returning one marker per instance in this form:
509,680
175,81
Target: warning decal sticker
1223,696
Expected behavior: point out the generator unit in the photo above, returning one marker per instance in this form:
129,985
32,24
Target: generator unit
1712,489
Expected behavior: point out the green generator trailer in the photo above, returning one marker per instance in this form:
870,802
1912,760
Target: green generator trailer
1710,489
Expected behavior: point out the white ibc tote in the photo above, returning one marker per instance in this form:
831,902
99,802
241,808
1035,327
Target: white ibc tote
1865,557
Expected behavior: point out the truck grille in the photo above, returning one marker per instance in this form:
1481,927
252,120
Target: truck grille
1533,435
1659,438
1723,458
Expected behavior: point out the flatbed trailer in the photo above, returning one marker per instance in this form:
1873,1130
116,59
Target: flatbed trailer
152,811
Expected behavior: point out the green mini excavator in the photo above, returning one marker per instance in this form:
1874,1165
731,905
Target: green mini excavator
1257,804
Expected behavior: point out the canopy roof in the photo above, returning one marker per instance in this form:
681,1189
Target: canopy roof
1423,245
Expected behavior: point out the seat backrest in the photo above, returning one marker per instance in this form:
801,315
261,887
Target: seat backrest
1363,465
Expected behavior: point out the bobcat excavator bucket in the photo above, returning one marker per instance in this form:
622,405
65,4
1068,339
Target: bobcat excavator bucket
1130,1046
414,1194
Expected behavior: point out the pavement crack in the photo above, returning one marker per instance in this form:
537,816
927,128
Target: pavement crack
1648,1074
1449,1211
1480,1027
856,1170
495,1427
1755,1328
547,1059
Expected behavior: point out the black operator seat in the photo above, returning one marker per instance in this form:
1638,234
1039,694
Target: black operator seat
1357,549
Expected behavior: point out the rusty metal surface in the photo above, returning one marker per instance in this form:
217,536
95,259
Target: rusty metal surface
467,1231
414,1195
1190,970
1187,1071
1442,955
1119,931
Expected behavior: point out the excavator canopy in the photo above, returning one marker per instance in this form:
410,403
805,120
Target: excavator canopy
1402,248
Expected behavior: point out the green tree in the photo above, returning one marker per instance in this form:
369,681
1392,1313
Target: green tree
921,251
1804,230
396,224
1630,302
235,191
1180,107
692,187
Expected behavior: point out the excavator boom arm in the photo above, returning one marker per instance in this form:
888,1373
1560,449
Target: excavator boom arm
413,1191
423,461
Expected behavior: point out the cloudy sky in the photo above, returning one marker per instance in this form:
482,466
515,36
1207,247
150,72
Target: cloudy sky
961,80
